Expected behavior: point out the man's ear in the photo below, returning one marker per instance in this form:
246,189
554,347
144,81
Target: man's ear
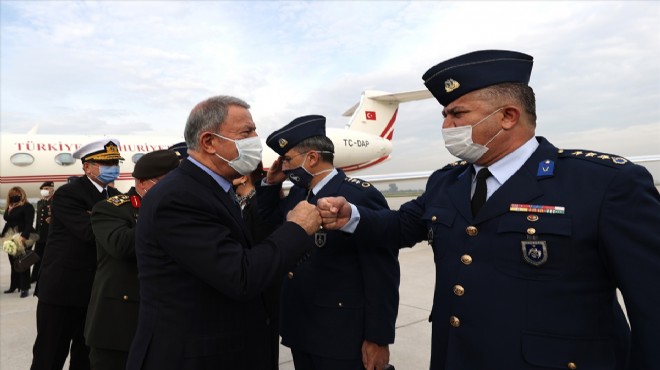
510,117
206,142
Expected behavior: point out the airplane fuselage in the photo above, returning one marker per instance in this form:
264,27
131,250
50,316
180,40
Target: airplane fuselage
29,160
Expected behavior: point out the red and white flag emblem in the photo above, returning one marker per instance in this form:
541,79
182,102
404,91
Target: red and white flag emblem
371,115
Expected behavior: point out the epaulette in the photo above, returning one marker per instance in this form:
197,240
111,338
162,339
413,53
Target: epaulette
600,158
118,200
357,182
454,165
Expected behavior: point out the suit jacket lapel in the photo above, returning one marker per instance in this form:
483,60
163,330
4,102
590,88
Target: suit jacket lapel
522,187
202,177
459,193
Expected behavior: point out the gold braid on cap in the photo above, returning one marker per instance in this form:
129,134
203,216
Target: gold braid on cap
109,153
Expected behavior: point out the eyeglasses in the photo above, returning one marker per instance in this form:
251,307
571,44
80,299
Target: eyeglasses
286,159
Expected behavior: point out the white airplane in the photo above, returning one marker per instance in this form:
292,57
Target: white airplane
651,162
29,160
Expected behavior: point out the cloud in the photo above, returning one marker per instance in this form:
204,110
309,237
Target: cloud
139,67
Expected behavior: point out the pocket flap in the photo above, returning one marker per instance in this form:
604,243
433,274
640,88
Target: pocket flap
556,352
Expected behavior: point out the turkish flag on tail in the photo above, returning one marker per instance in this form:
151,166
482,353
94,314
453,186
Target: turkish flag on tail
371,115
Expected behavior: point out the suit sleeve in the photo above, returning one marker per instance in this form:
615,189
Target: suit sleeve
381,276
73,212
268,202
630,238
200,236
116,235
384,228
28,214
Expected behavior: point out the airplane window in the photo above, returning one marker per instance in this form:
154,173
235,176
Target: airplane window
136,157
22,159
65,159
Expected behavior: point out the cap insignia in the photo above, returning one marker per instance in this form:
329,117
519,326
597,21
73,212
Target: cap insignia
282,142
451,85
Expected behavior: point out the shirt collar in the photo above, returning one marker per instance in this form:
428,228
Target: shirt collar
224,184
97,186
503,169
324,181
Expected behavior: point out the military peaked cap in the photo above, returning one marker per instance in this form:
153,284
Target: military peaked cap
100,150
458,76
301,128
181,149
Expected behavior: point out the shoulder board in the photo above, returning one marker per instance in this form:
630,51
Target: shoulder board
611,160
456,164
357,182
118,200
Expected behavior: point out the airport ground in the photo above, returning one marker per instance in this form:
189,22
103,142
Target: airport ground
413,331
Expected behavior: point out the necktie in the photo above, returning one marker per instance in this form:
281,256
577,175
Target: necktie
233,197
104,193
480,191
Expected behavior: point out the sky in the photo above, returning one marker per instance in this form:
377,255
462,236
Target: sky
138,68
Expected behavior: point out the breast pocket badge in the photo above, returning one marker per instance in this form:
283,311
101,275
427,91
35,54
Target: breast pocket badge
535,252
320,239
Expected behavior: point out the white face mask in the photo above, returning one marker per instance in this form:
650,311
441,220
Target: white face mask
458,141
45,193
249,154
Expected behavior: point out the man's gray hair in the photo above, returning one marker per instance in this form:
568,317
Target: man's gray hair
520,93
209,115
321,144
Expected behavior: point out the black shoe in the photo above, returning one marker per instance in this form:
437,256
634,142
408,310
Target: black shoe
25,293
10,291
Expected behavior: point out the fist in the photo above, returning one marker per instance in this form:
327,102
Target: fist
306,216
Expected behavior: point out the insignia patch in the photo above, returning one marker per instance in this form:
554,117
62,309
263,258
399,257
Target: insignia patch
546,168
619,160
536,208
535,252
320,239
451,85
118,200
362,183
282,142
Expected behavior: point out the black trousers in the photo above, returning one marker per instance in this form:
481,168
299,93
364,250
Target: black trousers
107,359
307,361
39,250
58,329
19,280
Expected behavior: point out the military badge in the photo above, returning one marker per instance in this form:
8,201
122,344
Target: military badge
282,142
451,85
535,252
320,239
546,168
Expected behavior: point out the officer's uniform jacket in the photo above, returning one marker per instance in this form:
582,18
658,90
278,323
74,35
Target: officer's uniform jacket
69,262
43,212
112,313
520,289
202,277
340,293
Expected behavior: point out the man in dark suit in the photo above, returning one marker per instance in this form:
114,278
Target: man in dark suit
42,223
339,304
201,276
69,261
529,253
112,313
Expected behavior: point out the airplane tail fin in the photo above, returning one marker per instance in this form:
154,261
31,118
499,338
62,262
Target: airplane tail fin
376,112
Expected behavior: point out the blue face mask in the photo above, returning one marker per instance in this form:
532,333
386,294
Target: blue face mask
108,174
300,176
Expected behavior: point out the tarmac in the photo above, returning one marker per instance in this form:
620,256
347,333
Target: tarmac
411,350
